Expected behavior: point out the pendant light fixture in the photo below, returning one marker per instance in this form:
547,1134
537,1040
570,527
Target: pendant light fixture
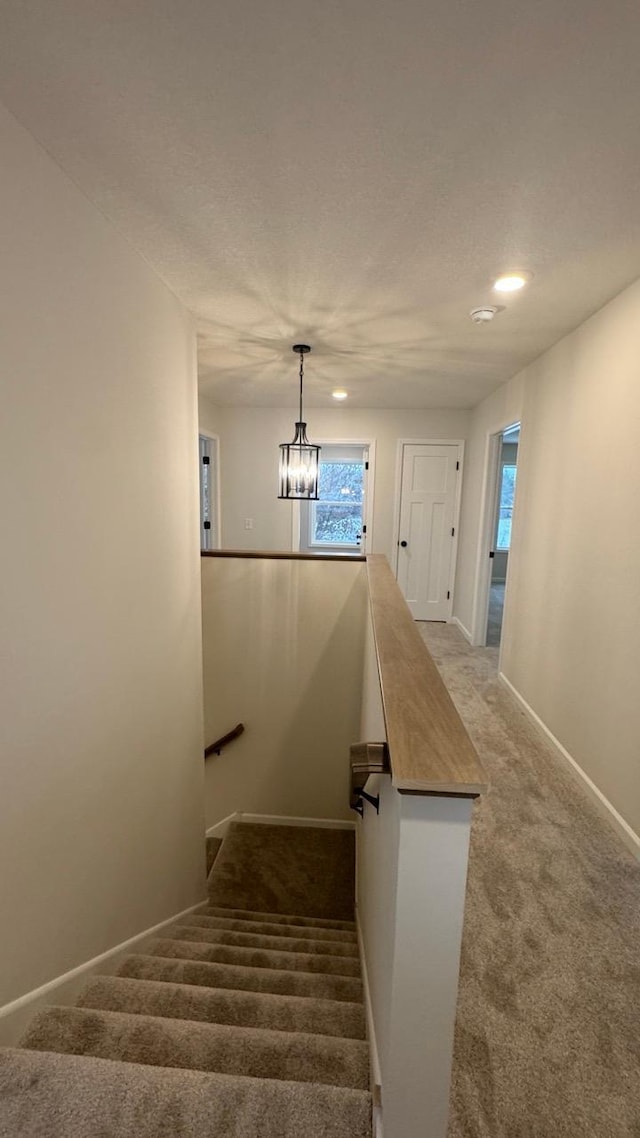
300,459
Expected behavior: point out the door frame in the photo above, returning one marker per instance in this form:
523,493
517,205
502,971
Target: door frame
217,497
401,443
490,491
370,482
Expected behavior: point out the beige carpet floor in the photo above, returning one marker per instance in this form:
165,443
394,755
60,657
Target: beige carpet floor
494,616
547,1038
286,869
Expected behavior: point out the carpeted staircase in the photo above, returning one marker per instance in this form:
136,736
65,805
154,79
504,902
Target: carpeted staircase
245,1020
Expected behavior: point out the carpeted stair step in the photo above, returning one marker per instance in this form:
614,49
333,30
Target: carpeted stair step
184,930
309,870
241,1009
207,975
276,918
244,1020
161,1042
212,850
192,948
269,928
44,1095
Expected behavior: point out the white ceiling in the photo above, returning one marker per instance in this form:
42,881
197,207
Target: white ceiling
350,173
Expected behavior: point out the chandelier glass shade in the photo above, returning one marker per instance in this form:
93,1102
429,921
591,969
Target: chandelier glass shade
299,459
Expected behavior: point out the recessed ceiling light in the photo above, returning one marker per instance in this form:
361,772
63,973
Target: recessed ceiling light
512,281
340,394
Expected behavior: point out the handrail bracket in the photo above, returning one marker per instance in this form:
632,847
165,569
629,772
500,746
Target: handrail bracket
366,759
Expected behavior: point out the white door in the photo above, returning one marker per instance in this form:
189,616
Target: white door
426,538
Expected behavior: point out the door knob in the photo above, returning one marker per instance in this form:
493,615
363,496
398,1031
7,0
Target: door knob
403,544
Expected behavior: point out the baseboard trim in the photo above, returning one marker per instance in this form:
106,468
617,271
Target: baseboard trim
221,827
14,1016
285,820
622,828
464,630
376,1073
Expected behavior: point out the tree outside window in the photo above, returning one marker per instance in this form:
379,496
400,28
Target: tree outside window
507,493
336,518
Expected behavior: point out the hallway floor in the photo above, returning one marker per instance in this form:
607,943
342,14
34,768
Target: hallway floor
547,1042
494,616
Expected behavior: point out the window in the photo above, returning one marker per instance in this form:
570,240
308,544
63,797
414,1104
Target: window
335,522
336,518
505,512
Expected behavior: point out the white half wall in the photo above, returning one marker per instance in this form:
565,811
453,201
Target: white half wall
101,821
411,867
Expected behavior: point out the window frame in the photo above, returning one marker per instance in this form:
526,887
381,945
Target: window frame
301,533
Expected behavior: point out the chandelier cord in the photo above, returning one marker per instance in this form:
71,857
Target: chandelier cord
301,374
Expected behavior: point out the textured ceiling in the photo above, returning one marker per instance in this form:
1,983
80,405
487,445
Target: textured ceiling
352,174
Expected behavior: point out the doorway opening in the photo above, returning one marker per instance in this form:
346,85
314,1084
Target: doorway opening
209,493
504,488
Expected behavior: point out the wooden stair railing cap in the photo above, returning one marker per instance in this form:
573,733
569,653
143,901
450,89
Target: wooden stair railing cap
429,747
281,555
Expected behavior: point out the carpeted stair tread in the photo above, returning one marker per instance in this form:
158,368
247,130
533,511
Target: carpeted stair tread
185,930
268,928
276,918
252,957
244,1020
207,975
309,870
162,1042
242,1009
212,850
45,1095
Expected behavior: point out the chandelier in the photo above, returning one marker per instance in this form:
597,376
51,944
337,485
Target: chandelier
299,459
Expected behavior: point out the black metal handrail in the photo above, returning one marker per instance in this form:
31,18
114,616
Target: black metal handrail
215,748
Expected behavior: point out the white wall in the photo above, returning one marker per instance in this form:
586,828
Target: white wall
571,633
208,416
101,826
249,440
283,648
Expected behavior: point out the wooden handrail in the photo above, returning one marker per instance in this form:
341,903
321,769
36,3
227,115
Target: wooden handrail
282,555
429,749
215,748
